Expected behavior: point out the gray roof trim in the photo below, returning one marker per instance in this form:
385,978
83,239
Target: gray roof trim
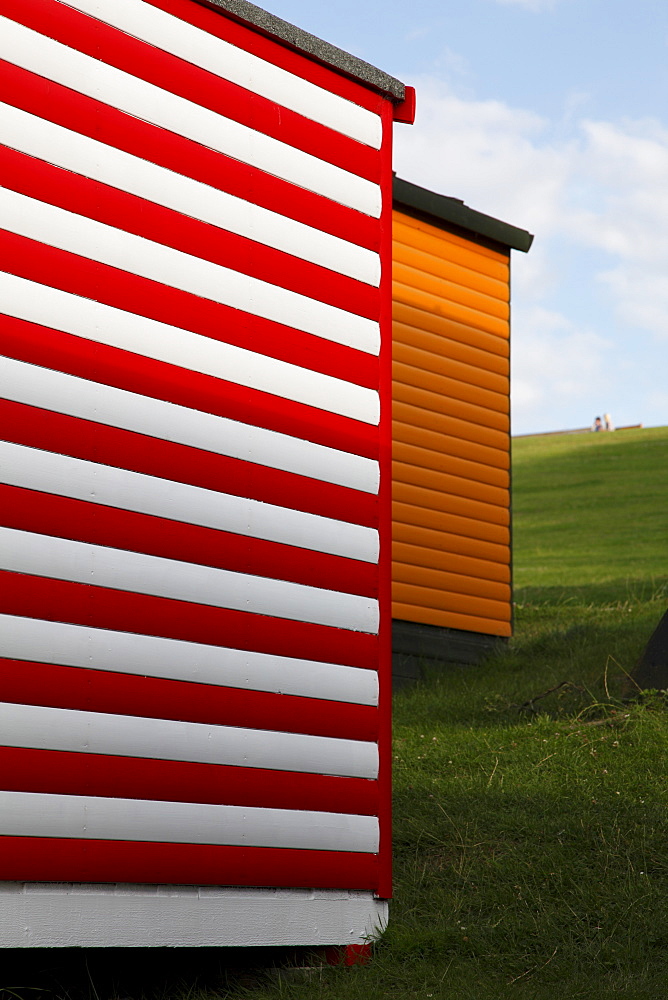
455,212
311,46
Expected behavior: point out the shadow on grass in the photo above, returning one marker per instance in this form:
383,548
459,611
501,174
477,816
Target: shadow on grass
573,648
134,973
554,874
617,593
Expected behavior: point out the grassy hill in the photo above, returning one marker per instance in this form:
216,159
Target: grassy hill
531,808
590,508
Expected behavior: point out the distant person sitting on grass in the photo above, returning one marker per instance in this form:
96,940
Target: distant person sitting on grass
598,425
607,420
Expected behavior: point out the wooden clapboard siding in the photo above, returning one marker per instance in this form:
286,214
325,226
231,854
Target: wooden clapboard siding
193,472
451,429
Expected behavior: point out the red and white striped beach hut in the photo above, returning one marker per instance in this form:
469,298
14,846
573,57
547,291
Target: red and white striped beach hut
195,213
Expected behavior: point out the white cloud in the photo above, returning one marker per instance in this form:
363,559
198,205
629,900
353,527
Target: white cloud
496,157
595,195
641,296
628,166
558,368
601,184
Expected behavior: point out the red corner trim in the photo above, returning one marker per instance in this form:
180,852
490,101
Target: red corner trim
405,111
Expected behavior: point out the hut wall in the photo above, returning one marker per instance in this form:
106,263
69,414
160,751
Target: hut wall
451,430
194,542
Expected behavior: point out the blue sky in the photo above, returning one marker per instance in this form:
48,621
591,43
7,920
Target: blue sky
551,115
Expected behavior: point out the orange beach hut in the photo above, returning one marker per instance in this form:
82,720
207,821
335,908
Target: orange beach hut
452,558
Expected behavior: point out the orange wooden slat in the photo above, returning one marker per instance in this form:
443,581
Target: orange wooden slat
440,234
450,291
441,267
437,462
451,562
435,420
439,332
440,600
469,412
448,619
442,385
448,444
434,240
413,534
452,523
439,581
448,338
415,477
448,309
451,503
428,366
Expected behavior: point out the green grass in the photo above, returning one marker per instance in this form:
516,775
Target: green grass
531,808
531,827
590,509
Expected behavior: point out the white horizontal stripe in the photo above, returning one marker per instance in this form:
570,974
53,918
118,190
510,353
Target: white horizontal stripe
48,472
83,155
64,65
40,728
119,569
89,915
30,814
88,238
150,656
52,390
231,63
105,324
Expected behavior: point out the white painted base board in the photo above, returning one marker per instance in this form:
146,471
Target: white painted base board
67,915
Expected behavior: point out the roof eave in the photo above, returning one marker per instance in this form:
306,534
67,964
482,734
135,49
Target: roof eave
311,45
456,213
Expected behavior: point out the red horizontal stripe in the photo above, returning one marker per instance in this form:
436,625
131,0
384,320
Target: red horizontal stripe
75,111
78,194
278,53
169,73
62,773
52,859
87,359
93,442
71,273
100,607
84,521
81,688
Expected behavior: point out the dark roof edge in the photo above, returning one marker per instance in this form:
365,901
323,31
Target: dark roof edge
311,45
458,214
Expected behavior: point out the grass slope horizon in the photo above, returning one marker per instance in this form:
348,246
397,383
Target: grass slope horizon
530,806
590,509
